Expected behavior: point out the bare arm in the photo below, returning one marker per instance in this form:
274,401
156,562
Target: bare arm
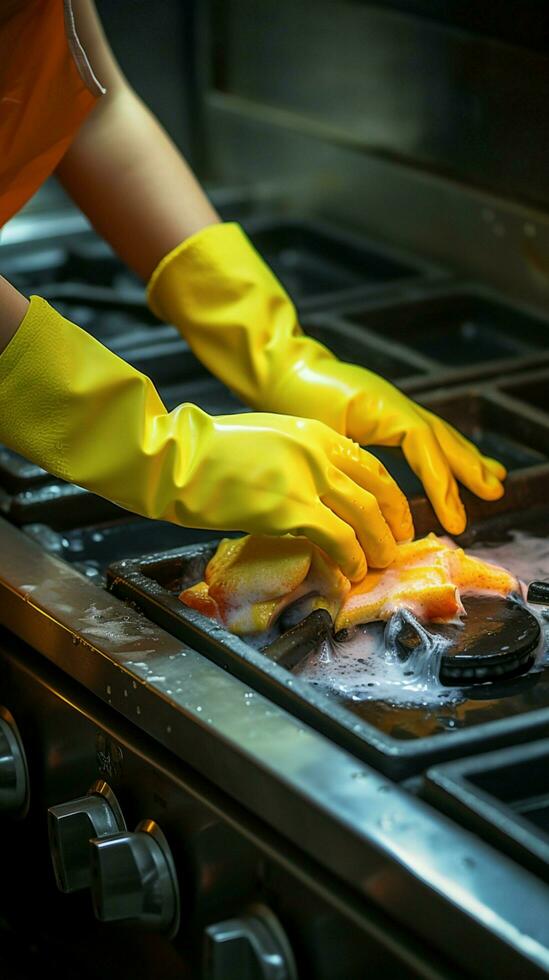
123,170
13,307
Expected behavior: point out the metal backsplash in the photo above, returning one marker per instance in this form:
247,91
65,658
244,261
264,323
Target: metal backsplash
426,135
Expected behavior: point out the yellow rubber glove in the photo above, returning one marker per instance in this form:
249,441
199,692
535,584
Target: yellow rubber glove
74,407
241,323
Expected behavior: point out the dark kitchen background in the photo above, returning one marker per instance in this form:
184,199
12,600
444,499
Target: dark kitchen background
390,161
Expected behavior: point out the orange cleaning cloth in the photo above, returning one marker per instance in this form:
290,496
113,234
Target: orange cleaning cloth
428,577
250,580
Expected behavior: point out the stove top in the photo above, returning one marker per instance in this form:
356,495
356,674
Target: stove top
411,334
400,729
214,701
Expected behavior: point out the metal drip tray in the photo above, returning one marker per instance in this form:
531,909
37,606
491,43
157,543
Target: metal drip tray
503,796
399,739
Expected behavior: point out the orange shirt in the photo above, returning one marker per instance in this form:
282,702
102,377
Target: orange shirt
47,88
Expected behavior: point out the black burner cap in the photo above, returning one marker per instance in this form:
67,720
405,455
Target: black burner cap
497,639
538,592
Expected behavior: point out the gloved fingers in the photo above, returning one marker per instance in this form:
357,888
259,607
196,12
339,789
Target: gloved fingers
478,473
360,510
458,439
493,466
424,454
369,473
337,538
469,466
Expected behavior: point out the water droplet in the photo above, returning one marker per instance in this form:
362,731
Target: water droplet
387,822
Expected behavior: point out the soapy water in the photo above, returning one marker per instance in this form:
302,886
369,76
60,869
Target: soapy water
527,558
370,666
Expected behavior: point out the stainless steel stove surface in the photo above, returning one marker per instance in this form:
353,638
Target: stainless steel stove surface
206,818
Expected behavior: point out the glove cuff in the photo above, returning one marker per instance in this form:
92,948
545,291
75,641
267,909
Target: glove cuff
231,309
27,389
206,270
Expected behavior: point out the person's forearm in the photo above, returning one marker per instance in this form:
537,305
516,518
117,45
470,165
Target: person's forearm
130,180
13,307
123,170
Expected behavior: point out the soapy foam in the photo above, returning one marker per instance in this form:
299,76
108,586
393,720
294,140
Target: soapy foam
369,665
525,556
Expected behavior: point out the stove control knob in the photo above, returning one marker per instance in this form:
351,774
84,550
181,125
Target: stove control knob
70,827
14,777
134,879
253,946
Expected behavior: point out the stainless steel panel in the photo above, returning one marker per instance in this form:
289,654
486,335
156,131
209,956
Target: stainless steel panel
225,858
437,97
290,165
391,849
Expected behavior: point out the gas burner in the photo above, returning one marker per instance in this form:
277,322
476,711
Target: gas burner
496,639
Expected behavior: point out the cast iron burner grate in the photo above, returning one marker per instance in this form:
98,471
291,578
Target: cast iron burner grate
317,262
79,261
452,333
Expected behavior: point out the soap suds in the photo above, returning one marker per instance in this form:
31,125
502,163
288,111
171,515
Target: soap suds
369,666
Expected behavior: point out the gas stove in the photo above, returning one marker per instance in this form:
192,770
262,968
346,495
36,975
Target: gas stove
193,806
